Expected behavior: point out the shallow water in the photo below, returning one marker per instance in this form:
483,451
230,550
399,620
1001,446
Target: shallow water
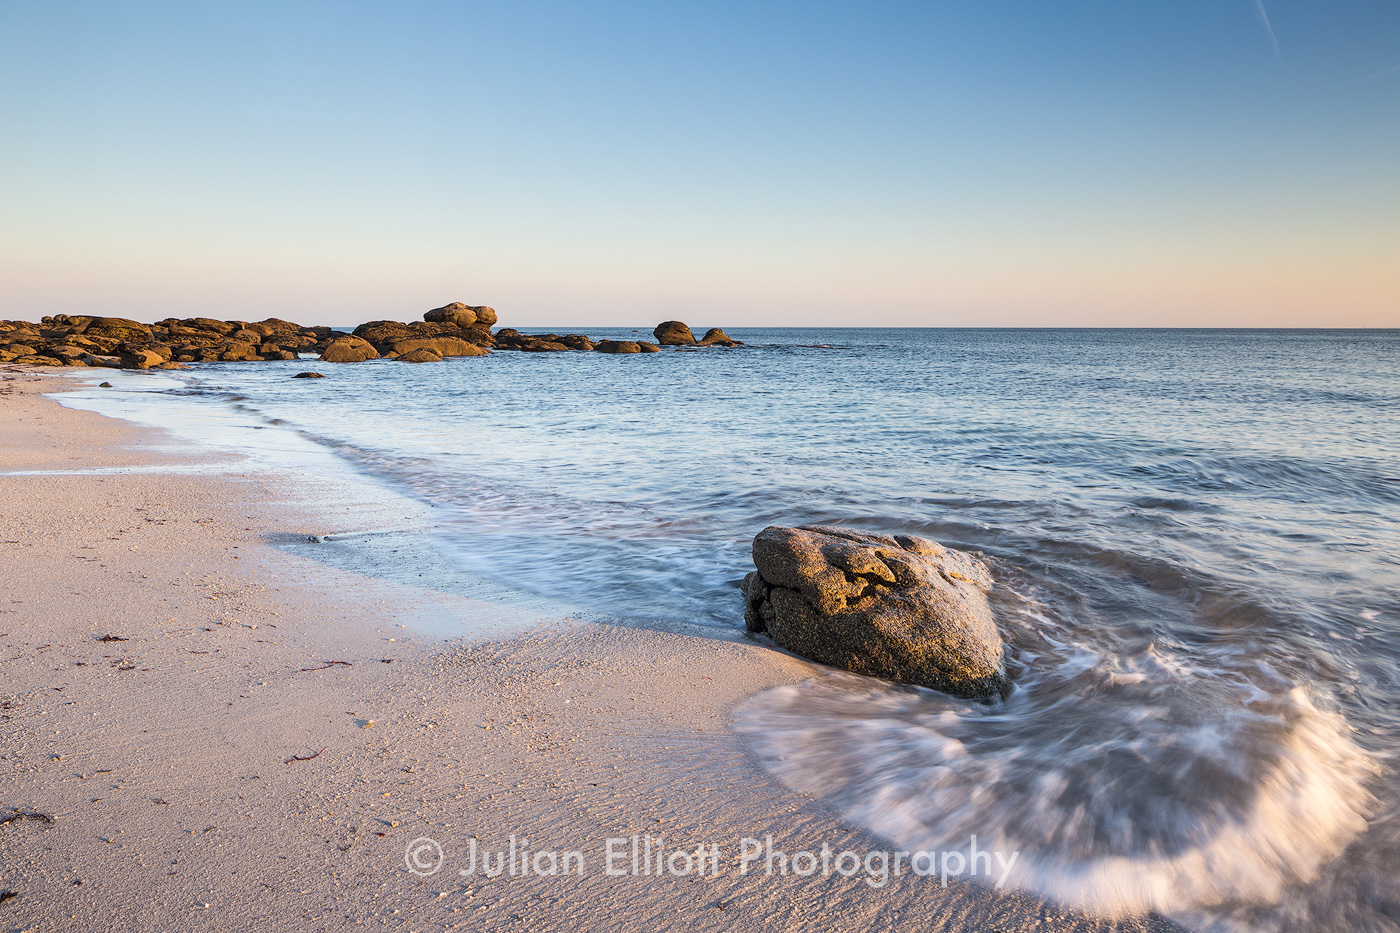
1195,537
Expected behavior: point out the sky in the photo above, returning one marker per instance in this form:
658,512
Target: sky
967,163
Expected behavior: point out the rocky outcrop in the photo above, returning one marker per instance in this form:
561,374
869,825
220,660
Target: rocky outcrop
349,349
309,375
619,346
673,334
103,341
899,607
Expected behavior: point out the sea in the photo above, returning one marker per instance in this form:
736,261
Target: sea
1195,537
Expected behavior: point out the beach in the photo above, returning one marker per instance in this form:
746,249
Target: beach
204,732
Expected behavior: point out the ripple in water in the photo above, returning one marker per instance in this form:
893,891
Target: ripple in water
1128,782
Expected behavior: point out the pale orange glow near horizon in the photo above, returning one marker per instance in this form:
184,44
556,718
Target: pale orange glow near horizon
1053,288
1095,172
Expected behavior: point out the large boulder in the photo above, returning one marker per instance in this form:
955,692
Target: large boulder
898,607
673,334
463,315
348,349
455,313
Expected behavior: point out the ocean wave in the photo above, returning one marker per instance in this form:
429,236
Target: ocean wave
1151,791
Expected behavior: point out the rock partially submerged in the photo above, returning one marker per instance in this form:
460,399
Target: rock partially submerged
673,334
714,337
900,607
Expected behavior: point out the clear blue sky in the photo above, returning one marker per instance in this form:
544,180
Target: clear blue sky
1216,162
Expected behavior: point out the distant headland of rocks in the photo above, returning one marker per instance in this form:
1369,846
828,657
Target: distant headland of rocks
456,329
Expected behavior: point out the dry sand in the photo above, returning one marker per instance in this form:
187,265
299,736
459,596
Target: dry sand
154,781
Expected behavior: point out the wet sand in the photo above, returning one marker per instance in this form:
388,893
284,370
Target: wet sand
262,736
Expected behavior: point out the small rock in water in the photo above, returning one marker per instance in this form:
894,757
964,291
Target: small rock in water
300,376
104,385
714,337
898,607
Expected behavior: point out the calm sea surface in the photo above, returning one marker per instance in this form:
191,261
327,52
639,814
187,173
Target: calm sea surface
1196,536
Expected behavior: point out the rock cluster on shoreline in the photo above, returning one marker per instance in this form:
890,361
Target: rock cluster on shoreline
65,340
456,329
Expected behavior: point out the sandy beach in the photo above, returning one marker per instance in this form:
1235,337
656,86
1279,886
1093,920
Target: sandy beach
201,730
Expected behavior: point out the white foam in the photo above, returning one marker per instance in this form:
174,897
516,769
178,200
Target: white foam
1286,792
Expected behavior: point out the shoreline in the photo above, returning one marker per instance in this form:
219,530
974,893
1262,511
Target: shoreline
220,767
